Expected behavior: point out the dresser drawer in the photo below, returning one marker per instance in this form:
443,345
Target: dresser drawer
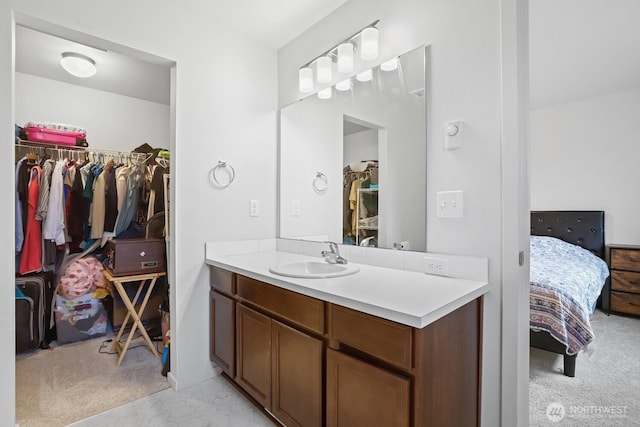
625,281
222,280
625,259
302,310
622,302
386,340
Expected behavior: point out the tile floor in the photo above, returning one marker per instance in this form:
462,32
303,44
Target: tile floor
212,403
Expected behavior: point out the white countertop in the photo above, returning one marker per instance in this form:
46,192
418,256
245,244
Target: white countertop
410,298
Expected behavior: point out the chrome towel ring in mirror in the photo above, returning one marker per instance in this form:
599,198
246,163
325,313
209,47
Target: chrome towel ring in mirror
320,182
218,170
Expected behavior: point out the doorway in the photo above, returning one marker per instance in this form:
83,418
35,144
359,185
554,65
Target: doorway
128,83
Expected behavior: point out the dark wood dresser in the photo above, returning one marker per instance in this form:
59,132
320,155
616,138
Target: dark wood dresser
624,264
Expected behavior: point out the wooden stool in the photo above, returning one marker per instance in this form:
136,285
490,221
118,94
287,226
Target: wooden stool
119,282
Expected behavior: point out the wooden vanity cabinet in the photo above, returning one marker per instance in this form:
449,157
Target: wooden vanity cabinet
280,367
279,349
381,372
222,315
313,363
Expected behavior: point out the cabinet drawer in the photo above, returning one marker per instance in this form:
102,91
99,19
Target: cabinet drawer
222,280
625,259
303,310
625,281
386,340
625,303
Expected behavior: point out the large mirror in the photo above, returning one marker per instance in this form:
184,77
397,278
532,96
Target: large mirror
353,167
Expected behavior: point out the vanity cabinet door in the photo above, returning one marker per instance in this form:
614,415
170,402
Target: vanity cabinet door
253,367
222,329
296,376
361,394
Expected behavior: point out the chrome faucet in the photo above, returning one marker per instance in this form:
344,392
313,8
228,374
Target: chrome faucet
332,256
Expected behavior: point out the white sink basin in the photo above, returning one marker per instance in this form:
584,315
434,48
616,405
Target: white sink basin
313,269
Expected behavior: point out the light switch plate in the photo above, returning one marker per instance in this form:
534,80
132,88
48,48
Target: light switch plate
295,208
449,204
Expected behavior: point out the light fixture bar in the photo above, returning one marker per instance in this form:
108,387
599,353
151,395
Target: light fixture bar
348,39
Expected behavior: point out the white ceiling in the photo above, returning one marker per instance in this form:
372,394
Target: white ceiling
578,48
273,23
582,48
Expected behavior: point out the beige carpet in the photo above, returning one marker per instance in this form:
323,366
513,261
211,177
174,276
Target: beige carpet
74,381
604,391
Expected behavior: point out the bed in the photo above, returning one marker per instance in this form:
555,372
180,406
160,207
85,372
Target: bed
566,280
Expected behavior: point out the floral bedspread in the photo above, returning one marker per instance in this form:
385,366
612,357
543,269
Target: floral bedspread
566,281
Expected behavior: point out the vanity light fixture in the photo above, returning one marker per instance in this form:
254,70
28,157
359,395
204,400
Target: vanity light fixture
365,40
305,80
325,93
325,69
390,65
365,76
78,65
369,45
343,85
345,57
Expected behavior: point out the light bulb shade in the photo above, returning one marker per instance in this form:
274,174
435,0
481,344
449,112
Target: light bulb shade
78,65
325,93
344,85
390,65
369,44
365,76
345,58
325,74
305,80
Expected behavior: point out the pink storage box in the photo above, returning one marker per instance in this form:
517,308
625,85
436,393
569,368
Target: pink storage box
55,136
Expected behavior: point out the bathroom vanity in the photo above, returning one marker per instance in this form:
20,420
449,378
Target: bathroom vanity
379,347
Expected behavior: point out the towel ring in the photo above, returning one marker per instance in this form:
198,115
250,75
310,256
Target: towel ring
320,183
222,165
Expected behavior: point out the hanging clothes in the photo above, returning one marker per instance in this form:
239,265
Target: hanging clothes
77,207
98,206
19,230
54,223
45,188
31,259
86,173
129,206
157,190
23,176
111,201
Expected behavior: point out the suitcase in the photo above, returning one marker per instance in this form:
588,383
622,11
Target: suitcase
135,256
55,133
35,326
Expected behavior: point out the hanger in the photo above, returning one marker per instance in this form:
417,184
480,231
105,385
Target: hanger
32,159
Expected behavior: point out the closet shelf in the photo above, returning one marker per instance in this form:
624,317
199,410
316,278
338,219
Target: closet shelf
35,144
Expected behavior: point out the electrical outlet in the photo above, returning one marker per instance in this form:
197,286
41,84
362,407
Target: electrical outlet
254,208
439,266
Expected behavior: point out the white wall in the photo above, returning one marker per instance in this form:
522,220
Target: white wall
113,122
584,156
225,109
473,45
360,146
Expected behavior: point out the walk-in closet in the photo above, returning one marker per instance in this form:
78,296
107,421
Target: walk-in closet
86,211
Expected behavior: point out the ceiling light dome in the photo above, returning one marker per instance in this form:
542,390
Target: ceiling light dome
78,65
